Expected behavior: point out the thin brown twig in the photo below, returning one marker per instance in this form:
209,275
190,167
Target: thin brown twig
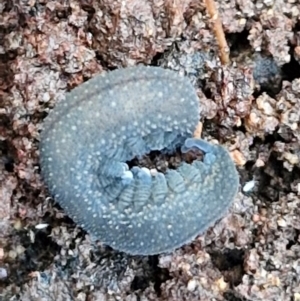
218,29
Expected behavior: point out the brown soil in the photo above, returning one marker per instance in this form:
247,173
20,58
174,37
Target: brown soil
251,106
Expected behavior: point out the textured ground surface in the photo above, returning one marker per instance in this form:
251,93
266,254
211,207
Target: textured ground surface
252,107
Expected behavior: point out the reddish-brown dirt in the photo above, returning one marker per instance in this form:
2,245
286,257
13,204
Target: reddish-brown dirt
251,106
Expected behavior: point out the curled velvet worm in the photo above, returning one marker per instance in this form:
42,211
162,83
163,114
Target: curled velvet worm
107,121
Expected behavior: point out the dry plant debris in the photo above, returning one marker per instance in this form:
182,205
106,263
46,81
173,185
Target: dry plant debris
218,29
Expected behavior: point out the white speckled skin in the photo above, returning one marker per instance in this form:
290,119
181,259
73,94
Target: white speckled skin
113,118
